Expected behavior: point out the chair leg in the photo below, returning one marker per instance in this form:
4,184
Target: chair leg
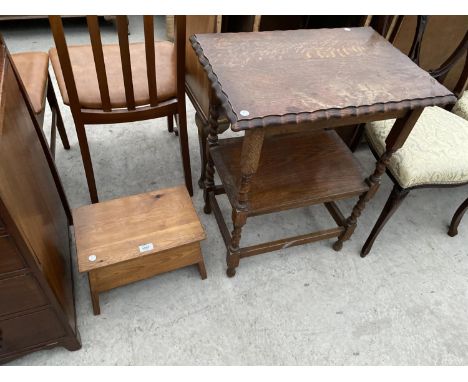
52,99
396,197
457,217
184,150
176,125
357,137
53,133
170,123
202,135
86,156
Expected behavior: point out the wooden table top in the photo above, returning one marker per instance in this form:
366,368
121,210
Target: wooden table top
307,75
134,226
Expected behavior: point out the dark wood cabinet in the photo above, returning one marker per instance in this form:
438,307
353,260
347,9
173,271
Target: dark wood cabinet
37,307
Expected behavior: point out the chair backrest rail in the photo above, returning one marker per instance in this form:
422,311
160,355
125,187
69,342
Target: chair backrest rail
180,24
122,31
459,51
64,58
443,70
394,28
148,25
96,44
415,50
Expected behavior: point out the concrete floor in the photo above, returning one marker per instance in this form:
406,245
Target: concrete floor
406,304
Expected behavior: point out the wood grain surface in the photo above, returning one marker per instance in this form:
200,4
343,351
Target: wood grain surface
113,230
127,272
295,170
310,75
36,283
28,189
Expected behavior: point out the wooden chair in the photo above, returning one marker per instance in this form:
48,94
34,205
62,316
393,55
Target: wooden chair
460,109
435,153
146,81
33,69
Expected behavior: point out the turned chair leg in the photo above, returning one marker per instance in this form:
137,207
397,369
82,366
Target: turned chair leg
457,217
395,199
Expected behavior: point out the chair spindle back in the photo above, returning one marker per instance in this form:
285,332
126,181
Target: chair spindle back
99,61
441,72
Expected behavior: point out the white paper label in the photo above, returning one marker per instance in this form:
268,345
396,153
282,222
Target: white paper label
146,247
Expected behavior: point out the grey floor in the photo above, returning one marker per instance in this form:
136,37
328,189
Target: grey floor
406,304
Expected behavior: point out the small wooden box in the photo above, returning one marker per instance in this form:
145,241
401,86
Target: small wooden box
133,238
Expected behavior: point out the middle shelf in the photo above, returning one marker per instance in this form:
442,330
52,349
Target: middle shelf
295,170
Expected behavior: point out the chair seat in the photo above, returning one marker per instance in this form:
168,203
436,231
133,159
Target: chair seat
33,69
436,151
461,107
84,70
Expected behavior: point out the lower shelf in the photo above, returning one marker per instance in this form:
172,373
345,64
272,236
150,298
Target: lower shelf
295,170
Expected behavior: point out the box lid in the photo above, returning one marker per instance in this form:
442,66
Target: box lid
123,229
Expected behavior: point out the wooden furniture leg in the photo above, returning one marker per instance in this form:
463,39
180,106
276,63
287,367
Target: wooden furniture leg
250,157
239,218
53,133
184,148
211,141
202,270
395,139
202,135
94,294
453,230
170,123
73,344
88,165
357,137
173,124
176,124
394,201
52,99
374,183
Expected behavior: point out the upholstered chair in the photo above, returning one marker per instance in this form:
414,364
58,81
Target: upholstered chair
435,153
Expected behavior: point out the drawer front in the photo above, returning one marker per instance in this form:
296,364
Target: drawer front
20,293
10,258
22,332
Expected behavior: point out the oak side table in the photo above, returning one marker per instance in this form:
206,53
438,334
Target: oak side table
136,237
287,90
